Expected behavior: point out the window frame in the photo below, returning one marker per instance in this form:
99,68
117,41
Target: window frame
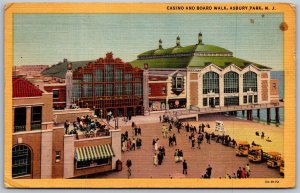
55,96
25,162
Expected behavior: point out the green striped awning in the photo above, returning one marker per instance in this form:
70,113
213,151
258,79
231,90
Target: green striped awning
96,152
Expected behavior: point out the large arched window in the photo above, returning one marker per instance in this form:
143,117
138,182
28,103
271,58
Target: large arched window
21,160
210,82
231,82
250,81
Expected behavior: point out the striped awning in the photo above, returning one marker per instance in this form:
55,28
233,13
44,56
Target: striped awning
96,152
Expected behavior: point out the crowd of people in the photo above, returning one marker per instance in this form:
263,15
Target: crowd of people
130,144
159,156
196,136
240,173
88,126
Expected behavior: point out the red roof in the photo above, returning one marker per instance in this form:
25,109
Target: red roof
23,88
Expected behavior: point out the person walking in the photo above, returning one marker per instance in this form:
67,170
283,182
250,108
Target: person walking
180,155
208,171
247,170
239,173
153,143
244,173
160,157
176,157
184,167
170,141
128,164
67,124
133,144
174,139
199,142
155,159
193,142
156,145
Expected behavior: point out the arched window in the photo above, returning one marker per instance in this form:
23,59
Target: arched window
210,82
21,160
250,81
231,82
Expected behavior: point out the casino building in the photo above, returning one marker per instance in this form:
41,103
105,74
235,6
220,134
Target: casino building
109,85
201,76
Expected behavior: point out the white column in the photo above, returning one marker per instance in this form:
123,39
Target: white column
259,93
46,154
28,118
221,87
116,146
69,87
69,152
241,85
269,87
187,87
200,90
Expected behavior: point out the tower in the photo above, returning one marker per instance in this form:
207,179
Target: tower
160,44
69,86
178,41
200,38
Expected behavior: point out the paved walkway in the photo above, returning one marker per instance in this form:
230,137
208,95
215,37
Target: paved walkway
221,158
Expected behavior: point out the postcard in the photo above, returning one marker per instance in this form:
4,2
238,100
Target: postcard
150,95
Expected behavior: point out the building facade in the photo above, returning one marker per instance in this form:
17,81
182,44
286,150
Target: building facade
204,76
43,150
32,121
109,85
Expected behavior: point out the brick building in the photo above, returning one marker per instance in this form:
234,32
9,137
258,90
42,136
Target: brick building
29,70
109,85
204,76
32,121
42,150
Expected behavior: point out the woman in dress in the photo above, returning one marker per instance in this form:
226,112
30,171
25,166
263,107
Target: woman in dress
156,144
155,160
124,146
176,158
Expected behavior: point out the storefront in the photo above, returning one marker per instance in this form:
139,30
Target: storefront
157,105
97,157
177,103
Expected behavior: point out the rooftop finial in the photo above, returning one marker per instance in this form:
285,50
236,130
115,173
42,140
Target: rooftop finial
200,38
178,41
160,44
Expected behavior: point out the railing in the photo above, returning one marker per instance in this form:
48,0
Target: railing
36,126
197,110
93,134
19,128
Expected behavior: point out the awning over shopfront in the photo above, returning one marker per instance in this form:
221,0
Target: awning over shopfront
90,153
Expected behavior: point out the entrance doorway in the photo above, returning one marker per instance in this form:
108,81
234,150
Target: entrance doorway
211,102
250,99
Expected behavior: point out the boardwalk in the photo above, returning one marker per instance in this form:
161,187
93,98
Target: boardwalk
221,158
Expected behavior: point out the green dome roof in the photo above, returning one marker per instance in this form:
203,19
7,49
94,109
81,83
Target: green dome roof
185,49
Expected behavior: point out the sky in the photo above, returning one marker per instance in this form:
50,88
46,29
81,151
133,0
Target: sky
48,38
